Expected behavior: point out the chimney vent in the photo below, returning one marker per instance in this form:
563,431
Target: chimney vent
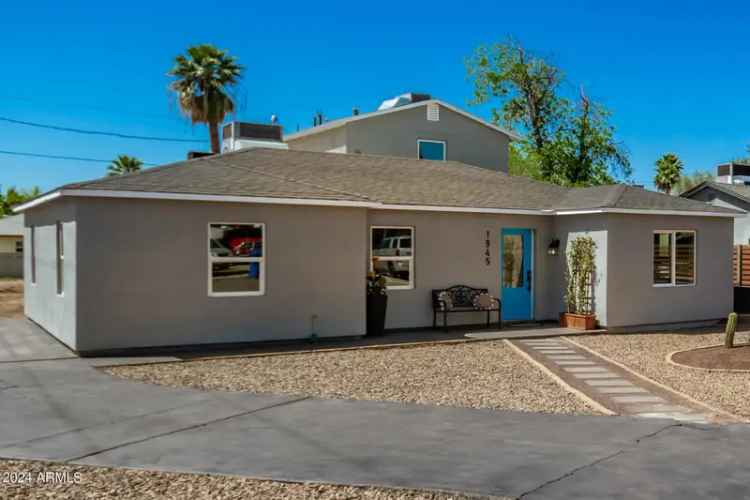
403,99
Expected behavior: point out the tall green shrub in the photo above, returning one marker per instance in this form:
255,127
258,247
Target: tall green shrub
579,275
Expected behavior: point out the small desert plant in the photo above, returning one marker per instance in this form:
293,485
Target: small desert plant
579,275
730,329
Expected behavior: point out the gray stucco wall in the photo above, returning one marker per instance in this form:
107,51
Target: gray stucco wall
632,298
11,265
55,313
396,134
449,250
720,199
144,271
567,228
333,141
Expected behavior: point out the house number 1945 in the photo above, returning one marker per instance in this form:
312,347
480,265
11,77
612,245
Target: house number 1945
487,260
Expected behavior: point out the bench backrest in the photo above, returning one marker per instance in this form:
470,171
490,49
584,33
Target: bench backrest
461,295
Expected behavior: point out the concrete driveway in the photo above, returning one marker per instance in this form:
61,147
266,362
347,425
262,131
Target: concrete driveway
63,409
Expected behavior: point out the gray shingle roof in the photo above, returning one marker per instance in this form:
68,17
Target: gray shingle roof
741,191
379,179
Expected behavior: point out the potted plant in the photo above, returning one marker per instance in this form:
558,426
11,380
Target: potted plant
377,303
579,289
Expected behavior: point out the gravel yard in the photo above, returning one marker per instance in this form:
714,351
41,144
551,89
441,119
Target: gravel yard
476,375
646,354
11,298
125,484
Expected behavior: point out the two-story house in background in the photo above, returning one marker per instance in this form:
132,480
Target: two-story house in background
412,126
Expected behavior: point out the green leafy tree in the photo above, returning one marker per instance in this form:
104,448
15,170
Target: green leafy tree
570,144
687,182
527,87
14,197
124,164
203,78
668,172
584,151
523,161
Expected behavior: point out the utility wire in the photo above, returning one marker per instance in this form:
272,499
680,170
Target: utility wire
60,157
97,132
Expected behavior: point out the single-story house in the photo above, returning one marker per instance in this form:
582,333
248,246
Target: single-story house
11,246
269,244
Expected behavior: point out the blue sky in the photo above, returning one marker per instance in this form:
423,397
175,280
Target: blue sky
675,74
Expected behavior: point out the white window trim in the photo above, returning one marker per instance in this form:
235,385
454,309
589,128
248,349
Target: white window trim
410,258
673,258
261,260
434,141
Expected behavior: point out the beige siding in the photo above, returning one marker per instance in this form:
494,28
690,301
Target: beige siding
8,243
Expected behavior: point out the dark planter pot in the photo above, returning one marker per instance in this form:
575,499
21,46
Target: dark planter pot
376,307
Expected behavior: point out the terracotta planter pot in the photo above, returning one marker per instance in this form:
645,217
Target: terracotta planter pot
578,321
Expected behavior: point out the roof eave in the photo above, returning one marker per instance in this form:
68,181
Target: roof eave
101,193
349,119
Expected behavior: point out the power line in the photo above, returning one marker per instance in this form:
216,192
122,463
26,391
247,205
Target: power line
78,106
60,157
98,132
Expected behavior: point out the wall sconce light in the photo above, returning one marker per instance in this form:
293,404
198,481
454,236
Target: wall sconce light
554,247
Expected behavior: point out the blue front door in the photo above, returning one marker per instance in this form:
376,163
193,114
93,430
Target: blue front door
516,273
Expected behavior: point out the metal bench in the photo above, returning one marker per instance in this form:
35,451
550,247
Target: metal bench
461,298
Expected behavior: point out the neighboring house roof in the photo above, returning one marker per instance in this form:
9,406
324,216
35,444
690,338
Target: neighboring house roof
333,124
740,191
304,177
11,225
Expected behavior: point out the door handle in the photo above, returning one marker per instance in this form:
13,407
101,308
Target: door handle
528,279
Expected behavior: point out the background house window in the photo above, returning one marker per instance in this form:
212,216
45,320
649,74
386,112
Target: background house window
674,258
19,246
431,150
236,259
392,255
60,258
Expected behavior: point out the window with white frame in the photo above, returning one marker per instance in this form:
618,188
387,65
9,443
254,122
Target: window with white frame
430,150
392,255
674,258
60,258
236,259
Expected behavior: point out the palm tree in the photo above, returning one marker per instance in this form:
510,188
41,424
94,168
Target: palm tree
668,171
124,164
202,80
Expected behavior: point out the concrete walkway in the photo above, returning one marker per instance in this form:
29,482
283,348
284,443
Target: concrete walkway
63,409
609,385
